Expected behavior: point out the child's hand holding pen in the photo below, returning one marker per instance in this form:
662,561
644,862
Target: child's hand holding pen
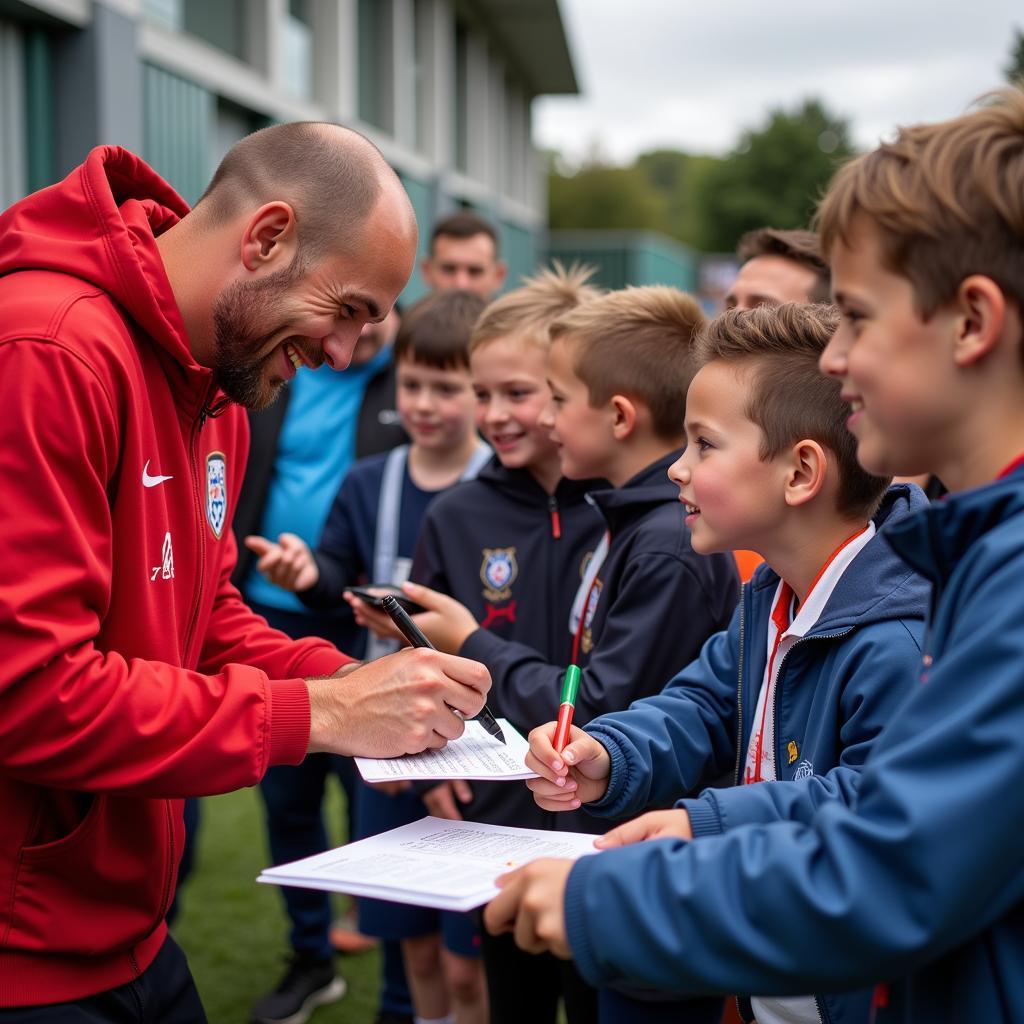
577,775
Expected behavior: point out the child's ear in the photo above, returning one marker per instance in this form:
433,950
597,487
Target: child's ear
981,309
624,417
808,466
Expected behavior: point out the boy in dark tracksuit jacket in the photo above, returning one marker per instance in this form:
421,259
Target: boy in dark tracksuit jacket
647,601
917,885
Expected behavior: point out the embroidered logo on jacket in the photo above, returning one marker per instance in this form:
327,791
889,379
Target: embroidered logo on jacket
150,480
792,751
804,770
216,492
166,567
498,571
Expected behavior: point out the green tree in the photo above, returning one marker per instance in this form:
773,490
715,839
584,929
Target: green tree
774,176
597,196
1015,69
679,178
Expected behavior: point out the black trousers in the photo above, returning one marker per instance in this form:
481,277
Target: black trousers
524,987
163,994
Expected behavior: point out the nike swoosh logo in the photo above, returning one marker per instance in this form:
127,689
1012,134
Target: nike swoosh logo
152,481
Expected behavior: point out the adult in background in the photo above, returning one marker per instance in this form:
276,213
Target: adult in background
779,266
464,254
133,673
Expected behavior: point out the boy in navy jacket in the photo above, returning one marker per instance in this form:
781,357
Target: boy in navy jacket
823,646
917,884
510,548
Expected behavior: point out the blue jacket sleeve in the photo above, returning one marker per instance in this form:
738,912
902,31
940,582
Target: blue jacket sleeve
677,741
337,555
659,618
876,673
927,859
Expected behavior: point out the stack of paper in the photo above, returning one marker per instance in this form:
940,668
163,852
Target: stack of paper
474,755
450,865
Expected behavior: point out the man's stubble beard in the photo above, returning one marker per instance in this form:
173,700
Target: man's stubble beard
240,315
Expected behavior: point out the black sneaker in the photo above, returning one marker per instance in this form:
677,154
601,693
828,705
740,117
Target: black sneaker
306,985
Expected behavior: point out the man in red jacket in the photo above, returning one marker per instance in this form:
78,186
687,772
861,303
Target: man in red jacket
132,673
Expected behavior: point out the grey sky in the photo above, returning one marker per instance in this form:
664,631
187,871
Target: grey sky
692,74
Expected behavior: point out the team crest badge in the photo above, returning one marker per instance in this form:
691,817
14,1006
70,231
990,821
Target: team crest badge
216,492
792,751
804,770
498,572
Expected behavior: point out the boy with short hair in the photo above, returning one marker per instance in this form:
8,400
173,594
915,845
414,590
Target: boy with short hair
823,646
917,884
369,536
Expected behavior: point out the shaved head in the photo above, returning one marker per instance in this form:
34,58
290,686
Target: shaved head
331,176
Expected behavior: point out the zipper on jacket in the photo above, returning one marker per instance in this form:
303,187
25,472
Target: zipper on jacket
197,426
778,687
556,519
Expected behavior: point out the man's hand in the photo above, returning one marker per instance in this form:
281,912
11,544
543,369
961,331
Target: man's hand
531,905
399,704
672,824
441,799
289,563
578,775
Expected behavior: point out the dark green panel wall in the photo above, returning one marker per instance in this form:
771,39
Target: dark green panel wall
178,117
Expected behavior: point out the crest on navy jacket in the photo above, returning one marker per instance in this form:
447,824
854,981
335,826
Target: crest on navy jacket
498,571
216,492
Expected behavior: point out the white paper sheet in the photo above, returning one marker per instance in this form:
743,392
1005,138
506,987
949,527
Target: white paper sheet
474,755
450,865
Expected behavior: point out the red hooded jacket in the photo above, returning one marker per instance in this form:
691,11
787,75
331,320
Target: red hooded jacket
131,672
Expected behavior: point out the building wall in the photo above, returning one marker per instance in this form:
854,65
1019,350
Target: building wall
622,258
181,80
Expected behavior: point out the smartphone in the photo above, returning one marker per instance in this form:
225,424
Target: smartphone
374,593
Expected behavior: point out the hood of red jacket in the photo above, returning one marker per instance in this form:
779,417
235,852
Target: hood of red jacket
99,224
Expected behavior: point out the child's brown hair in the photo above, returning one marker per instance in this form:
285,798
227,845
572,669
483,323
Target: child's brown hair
947,200
790,398
636,342
436,330
528,311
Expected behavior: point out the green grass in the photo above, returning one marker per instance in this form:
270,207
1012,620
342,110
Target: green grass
235,932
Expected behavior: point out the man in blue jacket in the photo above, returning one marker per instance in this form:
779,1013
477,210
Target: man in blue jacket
916,885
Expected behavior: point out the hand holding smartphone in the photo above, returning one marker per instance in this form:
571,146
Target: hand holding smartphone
374,593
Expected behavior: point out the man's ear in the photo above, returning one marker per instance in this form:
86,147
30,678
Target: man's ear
981,308
806,472
500,273
270,238
624,416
